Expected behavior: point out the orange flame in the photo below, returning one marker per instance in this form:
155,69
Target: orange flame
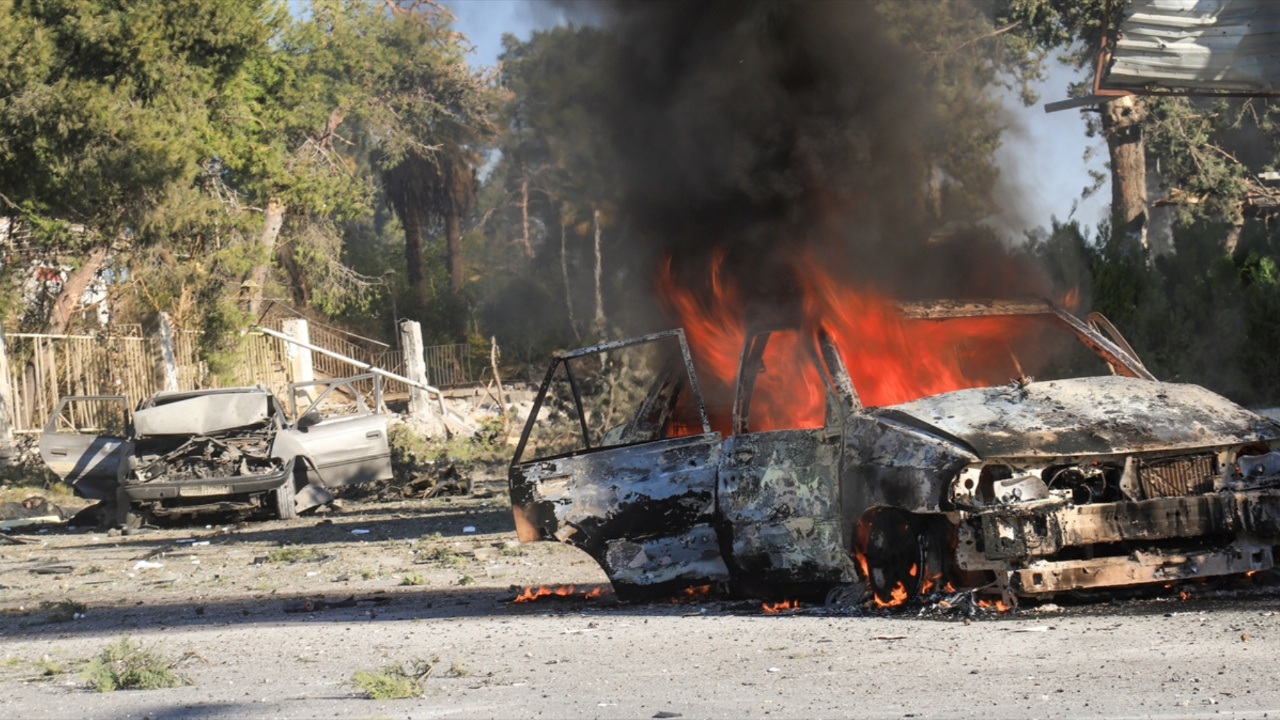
890,358
530,594
999,605
698,591
779,607
897,596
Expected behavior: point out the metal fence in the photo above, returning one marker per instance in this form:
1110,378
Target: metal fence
45,368
448,365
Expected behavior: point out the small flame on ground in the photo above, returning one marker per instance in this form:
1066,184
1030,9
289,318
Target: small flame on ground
999,605
697,591
531,593
1184,594
779,607
897,596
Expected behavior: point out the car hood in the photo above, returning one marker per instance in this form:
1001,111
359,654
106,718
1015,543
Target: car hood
1085,416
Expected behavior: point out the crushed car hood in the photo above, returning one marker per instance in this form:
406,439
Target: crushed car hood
1095,415
202,414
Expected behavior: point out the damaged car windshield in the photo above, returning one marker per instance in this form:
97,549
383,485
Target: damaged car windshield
924,356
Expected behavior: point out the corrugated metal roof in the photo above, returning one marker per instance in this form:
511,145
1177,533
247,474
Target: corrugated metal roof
1198,45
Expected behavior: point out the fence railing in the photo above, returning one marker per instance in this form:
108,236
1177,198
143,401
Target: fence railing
45,368
448,365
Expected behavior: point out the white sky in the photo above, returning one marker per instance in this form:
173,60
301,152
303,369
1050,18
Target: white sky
1041,165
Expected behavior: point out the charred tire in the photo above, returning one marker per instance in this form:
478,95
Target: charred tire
133,518
285,502
906,555
893,556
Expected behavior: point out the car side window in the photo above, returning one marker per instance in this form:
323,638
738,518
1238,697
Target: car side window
782,385
90,416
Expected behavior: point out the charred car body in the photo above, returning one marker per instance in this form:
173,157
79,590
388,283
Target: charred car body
1024,488
222,450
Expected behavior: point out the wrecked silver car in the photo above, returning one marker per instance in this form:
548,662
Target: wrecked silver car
224,450
1093,475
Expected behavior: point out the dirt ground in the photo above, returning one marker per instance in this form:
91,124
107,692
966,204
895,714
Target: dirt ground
272,619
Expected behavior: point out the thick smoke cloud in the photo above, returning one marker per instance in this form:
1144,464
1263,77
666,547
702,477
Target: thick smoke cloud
769,129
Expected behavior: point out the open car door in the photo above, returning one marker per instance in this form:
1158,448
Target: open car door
779,489
84,442
339,428
618,459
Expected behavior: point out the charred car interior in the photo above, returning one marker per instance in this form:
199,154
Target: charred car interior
1024,453
224,450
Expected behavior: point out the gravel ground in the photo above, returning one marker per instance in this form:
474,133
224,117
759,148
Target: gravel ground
420,586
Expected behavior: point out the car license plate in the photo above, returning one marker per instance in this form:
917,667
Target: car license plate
204,490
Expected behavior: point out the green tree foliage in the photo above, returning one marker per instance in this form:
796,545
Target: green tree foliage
1200,315
432,125
169,131
111,112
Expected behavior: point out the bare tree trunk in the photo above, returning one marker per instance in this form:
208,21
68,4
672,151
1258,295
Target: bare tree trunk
598,325
453,247
272,221
72,290
568,294
502,398
1122,126
413,269
299,288
524,209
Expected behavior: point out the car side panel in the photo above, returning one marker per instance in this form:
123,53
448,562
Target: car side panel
344,450
644,512
779,496
90,463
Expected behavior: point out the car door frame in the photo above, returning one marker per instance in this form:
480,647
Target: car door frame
96,459
779,491
645,511
333,460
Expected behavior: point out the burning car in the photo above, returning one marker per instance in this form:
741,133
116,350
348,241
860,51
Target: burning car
1021,451
222,450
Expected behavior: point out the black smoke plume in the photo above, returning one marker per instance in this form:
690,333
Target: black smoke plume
768,129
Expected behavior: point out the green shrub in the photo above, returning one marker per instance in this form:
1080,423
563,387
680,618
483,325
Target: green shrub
127,665
389,683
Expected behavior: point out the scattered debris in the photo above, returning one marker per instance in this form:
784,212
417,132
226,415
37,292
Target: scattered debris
53,569
309,605
34,510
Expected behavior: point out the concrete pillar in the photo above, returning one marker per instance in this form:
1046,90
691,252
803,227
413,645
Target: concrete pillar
166,350
415,368
300,368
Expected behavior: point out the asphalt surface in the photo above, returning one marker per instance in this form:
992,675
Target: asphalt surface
273,638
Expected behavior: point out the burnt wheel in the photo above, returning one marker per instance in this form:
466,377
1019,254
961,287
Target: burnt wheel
285,502
906,555
892,550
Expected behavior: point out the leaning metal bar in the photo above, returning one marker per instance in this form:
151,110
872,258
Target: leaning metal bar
533,412
616,344
577,400
693,380
358,363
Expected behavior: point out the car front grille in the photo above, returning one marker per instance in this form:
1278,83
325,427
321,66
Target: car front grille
1175,477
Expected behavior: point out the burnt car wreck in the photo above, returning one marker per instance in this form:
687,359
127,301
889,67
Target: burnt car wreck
230,450
1095,476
